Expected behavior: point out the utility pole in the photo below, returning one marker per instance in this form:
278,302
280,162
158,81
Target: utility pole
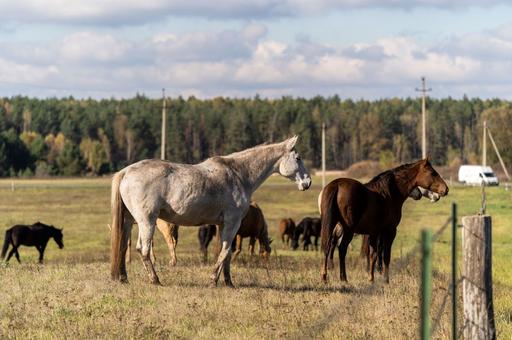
423,91
164,127
323,155
484,145
498,154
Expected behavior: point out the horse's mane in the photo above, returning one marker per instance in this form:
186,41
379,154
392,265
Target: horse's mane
388,179
249,151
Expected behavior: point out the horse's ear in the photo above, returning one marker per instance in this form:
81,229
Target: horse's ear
429,158
290,142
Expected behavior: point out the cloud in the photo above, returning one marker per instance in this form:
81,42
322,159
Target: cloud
245,61
134,12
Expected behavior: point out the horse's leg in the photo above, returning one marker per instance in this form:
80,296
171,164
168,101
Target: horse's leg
238,246
17,254
167,230
329,253
227,234
126,242
41,249
146,231
373,249
252,243
152,255
11,253
174,238
342,252
129,248
387,243
337,234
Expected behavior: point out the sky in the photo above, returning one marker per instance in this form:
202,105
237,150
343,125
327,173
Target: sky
355,49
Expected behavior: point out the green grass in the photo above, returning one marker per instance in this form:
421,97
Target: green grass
71,295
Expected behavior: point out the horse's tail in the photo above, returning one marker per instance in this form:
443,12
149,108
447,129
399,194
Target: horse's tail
6,243
116,235
329,214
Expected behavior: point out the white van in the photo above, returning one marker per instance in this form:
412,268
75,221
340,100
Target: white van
477,174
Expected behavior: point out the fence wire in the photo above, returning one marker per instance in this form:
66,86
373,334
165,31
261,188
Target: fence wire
404,262
440,312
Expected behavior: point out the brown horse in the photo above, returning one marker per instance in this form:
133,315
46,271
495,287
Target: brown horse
255,227
286,230
374,208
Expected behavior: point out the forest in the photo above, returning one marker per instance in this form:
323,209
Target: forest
69,137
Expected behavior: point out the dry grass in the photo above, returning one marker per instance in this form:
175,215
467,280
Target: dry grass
71,296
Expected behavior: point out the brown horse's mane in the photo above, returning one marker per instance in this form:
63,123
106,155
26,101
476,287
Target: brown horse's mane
391,179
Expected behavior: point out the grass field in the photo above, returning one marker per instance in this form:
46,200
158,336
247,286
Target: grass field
71,295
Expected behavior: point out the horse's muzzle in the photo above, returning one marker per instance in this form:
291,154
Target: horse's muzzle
305,184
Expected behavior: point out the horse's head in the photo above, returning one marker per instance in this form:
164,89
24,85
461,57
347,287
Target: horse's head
428,178
57,236
292,167
418,193
265,249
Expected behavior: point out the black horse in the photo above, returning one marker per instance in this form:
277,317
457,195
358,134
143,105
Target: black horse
310,227
35,235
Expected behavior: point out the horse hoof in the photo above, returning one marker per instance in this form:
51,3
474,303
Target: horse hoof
324,278
156,282
230,285
172,263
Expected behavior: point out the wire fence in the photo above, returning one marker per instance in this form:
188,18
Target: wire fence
448,289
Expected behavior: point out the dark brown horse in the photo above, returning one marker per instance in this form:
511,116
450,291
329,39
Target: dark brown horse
374,208
255,227
286,229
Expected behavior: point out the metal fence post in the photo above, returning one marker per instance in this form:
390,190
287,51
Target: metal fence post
426,282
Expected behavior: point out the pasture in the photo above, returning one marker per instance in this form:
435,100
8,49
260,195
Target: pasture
72,296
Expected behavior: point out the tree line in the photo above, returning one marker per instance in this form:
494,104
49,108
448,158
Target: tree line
68,136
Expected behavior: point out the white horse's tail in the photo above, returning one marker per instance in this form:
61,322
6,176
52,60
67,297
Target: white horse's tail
117,209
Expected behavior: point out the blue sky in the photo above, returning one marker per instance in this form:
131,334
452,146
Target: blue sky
356,49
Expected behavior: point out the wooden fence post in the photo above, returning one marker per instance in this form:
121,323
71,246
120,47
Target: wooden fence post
426,282
454,271
477,283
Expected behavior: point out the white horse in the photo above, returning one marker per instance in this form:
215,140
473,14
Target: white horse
216,191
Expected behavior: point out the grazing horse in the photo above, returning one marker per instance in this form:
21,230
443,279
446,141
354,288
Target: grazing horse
286,229
416,194
254,226
309,226
216,191
374,208
35,235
